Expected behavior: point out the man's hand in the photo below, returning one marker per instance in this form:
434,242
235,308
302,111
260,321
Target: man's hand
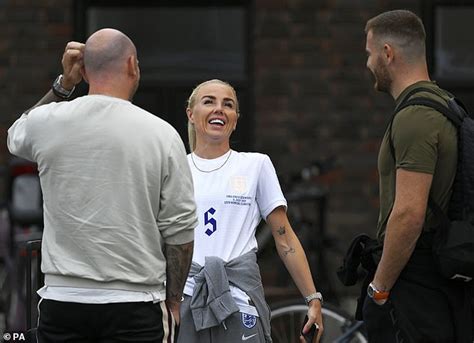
72,64
174,307
314,317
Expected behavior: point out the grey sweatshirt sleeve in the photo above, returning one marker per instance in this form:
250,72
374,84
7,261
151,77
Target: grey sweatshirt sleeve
18,141
177,215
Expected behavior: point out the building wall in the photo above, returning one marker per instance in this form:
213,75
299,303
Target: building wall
31,42
33,36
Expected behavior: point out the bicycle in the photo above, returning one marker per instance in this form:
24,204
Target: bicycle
20,221
287,321
287,317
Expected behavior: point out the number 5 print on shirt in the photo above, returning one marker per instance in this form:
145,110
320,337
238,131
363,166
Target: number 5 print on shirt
211,221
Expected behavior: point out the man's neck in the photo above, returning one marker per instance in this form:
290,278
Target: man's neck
115,93
406,78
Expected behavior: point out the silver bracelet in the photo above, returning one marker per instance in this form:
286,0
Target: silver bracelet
313,296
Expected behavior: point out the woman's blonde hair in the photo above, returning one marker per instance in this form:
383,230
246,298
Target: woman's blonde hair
192,101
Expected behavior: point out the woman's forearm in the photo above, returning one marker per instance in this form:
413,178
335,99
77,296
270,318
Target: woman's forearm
294,258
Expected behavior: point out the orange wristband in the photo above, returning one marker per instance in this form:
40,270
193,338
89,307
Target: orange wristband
374,293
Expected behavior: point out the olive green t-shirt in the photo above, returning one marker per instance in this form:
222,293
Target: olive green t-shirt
425,141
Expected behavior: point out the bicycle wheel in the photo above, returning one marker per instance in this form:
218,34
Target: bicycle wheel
287,320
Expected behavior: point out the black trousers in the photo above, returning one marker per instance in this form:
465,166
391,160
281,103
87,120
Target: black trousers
423,307
105,323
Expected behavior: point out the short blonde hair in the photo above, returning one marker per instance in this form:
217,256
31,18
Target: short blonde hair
192,101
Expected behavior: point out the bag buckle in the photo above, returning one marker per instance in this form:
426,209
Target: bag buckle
461,277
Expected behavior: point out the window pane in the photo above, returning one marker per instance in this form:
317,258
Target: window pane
180,43
454,53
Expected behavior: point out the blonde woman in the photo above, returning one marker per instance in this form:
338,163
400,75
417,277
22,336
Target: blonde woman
224,300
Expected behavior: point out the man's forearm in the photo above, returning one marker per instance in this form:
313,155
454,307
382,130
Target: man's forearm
178,262
400,241
46,99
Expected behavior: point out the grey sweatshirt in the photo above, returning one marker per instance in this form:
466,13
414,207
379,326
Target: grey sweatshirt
116,186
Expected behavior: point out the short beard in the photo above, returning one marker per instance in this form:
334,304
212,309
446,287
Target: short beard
383,82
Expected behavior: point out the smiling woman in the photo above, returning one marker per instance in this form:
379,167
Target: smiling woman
233,192
212,105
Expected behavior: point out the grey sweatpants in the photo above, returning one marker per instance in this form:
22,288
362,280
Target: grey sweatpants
240,328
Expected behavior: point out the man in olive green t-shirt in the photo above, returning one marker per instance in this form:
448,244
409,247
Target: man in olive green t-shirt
408,300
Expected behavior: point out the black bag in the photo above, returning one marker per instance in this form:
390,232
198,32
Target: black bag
363,251
453,243
366,252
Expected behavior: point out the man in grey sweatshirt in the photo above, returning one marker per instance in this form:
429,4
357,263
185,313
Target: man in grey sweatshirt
119,211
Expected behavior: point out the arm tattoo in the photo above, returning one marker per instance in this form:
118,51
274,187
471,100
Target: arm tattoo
281,231
178,261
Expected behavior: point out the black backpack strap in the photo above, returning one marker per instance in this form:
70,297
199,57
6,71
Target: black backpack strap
418,101
402,105
419,90
447,112
441,216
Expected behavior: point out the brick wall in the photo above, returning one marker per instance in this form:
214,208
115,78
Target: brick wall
31,42
315,98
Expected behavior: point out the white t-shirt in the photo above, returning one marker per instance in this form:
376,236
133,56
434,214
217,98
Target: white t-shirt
231,201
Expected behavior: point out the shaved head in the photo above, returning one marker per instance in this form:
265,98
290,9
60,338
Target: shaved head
106,50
